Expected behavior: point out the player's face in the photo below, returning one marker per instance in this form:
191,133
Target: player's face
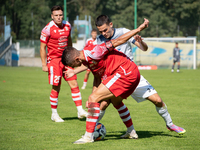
106,30
57,16
94,35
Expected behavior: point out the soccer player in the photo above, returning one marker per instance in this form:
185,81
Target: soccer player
56,36
176,57
120,75
144,90
89,42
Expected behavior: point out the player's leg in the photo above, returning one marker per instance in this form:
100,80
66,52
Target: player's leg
54,103
54,76
101,93
145,91
173,66
85,78
178,69
161,108
76,96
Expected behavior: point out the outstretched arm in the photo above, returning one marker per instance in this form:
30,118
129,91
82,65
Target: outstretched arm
125,37
71,72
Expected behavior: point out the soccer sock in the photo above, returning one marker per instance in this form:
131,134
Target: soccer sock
85,81
54,100
125,116
101,114
162,111
93,115
178,67
173,67
76,96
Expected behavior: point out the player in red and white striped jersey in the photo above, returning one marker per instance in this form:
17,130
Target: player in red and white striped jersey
115,76
56,36
89,42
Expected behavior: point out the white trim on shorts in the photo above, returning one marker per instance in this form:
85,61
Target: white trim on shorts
113,80
143,90
51,75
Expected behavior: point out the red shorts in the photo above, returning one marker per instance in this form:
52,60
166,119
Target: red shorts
122,83
55,72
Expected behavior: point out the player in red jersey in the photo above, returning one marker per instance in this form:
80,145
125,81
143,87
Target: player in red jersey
120,76
56,36
89,42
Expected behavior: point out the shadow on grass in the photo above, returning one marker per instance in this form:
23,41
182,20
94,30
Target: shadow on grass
141,134
74,118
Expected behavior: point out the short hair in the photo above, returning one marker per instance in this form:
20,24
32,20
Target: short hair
102,19
56,7
68,56
176,42
94,30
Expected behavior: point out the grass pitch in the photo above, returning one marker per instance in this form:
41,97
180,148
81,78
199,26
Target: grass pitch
25,113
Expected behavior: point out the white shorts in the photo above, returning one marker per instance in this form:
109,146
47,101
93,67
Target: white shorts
143,90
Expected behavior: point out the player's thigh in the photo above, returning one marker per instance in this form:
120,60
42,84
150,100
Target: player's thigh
143,90
100,94
54,72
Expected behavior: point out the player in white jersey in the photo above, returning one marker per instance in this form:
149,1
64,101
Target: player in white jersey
144,90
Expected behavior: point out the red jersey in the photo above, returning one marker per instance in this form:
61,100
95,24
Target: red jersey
104,63
89,42
56,38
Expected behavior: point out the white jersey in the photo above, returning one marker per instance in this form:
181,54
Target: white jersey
125,48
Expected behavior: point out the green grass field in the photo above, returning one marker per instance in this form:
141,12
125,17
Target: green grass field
25,113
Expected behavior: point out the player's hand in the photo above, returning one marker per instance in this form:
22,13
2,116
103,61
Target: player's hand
45,68
138,38
69,72
144,25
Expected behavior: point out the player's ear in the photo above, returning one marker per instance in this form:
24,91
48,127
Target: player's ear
111,24
52,16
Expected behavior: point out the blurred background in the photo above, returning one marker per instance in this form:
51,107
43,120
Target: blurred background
21,22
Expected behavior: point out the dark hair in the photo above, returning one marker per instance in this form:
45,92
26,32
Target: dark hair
56,7
176,42
68,56
102,19
94,30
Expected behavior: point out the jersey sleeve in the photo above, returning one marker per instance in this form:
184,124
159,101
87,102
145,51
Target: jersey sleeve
131,40
45,34
97,52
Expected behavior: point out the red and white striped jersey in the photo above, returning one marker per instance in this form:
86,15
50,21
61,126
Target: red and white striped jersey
103,62
56,38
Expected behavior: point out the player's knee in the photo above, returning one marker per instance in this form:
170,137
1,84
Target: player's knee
92,99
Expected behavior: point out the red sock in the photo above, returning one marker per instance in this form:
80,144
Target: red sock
85,80
93,115
54,99
76,96
124,114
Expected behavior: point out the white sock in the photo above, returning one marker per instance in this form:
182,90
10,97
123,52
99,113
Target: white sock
162,111
54,110
84,83
79,108
101,114
88,134
129,129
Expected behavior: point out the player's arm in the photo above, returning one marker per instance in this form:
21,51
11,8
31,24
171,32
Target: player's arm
71,72
69,41
125,37
43,56
140,43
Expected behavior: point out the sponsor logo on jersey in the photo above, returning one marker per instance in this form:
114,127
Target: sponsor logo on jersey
62,38
43,37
